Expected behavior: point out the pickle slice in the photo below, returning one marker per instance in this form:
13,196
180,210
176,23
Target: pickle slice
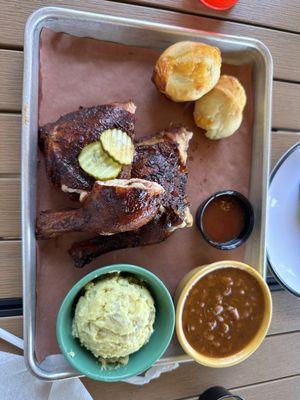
97,163
118,145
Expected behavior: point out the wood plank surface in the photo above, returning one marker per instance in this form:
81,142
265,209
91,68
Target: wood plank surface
286,96
283,46
13,325
286,101
284,389
10,269
191,379
10,208
10,143
11,72
285,15
272,372
10,137
281,142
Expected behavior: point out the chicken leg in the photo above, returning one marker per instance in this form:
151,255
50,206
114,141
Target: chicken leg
112,207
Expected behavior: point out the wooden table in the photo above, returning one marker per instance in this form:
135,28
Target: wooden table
274,370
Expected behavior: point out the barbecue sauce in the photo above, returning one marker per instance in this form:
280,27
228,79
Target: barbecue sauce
224,219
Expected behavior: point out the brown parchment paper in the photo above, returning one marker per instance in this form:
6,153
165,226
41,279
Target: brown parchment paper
83,72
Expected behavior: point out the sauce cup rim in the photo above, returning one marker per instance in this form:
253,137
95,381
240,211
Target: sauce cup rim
249,212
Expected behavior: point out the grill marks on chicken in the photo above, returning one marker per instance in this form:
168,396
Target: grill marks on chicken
112,207
125,213
161,159
63,140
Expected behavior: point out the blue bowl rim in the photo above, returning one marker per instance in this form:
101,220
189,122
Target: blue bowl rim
134,269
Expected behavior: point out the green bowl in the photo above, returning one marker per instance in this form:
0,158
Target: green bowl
82,360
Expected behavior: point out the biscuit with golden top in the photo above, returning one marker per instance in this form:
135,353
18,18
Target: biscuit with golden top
187,70
220,112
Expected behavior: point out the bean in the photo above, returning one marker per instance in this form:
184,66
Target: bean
225,328
220,318
227,280
227,291
234,312
212,325
208,336
219,299
218,309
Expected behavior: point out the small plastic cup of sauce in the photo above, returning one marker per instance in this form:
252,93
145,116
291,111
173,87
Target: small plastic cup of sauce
225,219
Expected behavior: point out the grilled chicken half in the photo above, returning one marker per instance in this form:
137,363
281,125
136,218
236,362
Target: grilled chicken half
161,159
62,141
114,206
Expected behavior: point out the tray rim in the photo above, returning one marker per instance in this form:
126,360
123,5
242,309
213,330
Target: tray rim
32,30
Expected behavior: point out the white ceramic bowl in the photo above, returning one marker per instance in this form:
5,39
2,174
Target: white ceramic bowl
283,231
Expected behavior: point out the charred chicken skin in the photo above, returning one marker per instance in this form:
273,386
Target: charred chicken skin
161,159
111,207
63,140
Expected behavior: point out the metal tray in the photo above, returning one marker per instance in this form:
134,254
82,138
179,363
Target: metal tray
235,50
